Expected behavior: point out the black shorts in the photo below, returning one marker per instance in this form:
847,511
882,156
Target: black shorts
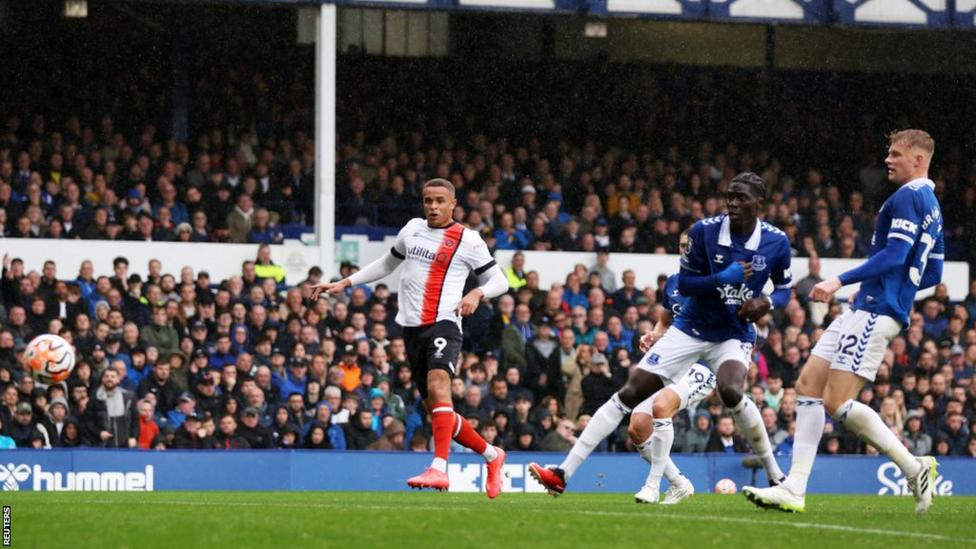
433,347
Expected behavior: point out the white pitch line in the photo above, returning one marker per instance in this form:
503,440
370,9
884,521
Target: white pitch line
675,516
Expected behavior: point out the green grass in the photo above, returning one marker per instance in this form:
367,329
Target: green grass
435,520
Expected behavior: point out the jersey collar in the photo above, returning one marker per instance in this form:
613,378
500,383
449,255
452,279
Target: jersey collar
725,235
921,181
448,226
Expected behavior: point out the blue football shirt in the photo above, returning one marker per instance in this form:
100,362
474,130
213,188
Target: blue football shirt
711,249
912,214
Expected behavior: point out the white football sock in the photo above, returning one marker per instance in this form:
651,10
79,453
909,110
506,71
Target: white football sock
867,424
671,471
440,464
657,451
606,419
660,440
748,418
490,453
810,421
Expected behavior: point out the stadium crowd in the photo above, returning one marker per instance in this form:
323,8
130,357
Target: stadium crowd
541,183
178,360
183,361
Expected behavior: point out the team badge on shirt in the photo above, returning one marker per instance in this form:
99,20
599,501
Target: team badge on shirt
758,263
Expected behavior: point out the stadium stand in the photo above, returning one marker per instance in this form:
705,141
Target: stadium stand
546,168
332,375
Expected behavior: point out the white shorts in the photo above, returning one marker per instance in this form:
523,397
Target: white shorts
673,355
856,341
697,384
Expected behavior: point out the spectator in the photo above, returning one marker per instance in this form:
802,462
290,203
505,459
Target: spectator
159,384
265,268
192,436
560,439
785,448
515,336
240,219
392,439
115,413
148,429
770,422
23,425
918,442
52,426
160,334
185,407
507,236
262,231
724,439
774,390
935,323
351,372
6,442
597,386
359,431
697,438
525,439
516,272
227,437
573,294
956,434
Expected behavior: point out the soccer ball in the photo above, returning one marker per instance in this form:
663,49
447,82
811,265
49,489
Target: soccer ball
725,486
49,359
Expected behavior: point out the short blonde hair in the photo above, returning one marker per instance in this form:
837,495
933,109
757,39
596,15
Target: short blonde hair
916,139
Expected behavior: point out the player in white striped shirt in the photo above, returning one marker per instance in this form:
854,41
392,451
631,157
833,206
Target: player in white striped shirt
438,255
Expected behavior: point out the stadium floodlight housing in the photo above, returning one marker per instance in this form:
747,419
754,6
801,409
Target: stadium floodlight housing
76,9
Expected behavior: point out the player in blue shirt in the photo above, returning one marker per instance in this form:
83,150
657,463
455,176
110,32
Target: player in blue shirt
906,256
694,387
724,266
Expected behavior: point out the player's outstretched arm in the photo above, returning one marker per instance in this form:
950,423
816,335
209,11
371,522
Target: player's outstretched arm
892,256
370,273
332,288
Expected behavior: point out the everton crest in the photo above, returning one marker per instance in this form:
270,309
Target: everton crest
758,263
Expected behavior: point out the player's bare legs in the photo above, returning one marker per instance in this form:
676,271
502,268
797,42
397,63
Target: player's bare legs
447,425
651,437
731,380
640,385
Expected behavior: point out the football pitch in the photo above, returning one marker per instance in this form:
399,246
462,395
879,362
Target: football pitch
434,520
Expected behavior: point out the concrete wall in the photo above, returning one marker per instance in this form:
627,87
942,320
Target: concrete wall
224,260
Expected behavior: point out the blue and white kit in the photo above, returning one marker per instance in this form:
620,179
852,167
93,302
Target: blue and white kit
699,382
707,328
907,254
